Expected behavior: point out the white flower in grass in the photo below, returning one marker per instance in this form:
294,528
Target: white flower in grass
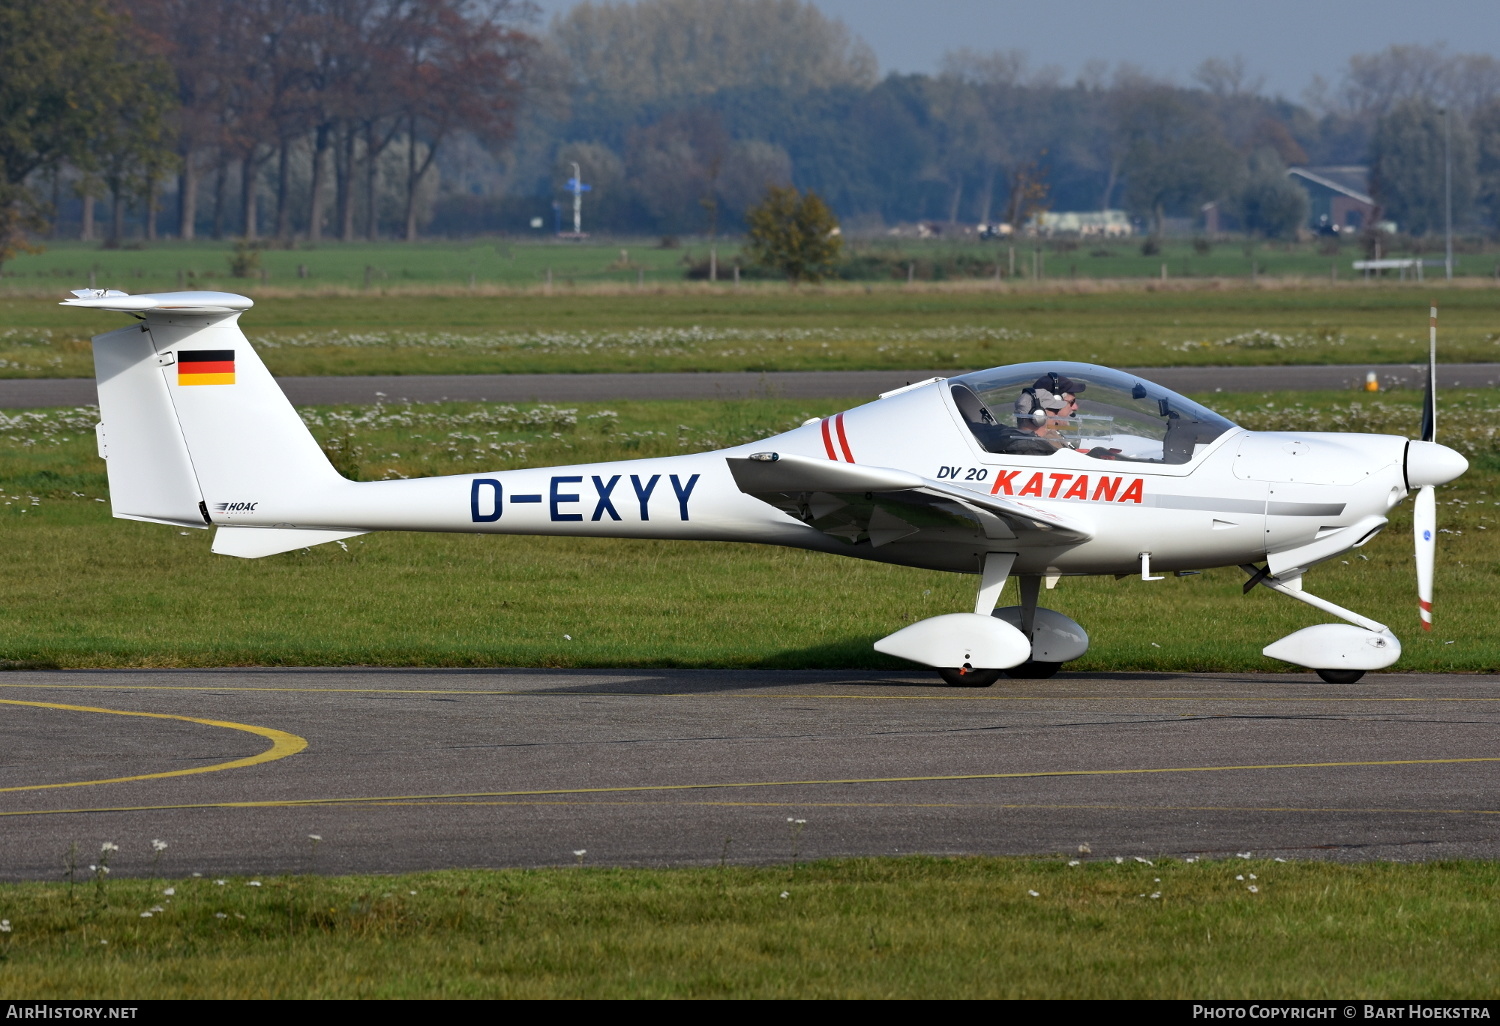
1253,889
1074,862
1243,854
1278,860
1034,894
170,891
145,915
1144,862
1156,895
109,846
1240,877
1252,876
253,883
581,852
157,908
221,883
411,892
314,837
1190,859
158,845
220,915
4,926
1084,849
1119,861
786,894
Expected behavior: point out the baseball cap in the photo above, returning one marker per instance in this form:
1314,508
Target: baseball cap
1058,385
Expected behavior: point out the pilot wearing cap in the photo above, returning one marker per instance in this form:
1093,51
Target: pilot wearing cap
1045,408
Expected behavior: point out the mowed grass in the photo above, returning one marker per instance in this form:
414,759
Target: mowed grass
832,328
857,928
80,589
524,260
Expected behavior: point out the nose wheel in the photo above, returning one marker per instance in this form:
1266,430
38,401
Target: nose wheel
1341,676
967,677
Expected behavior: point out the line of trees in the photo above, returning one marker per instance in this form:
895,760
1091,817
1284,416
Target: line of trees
986,139
331,113
326,97
385,118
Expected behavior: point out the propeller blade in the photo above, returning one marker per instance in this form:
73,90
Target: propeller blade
1424,526
1424,510
1429,401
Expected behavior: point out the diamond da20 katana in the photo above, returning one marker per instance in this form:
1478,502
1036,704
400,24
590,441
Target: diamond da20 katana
1036,471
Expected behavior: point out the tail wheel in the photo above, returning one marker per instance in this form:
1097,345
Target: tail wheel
1341,676
967,677
1033,669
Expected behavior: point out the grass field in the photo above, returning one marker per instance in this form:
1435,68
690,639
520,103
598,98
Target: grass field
78,588
776,328
524,262
865,928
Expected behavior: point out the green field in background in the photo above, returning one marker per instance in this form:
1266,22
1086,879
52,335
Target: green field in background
78,588
523,262
837,328
908,927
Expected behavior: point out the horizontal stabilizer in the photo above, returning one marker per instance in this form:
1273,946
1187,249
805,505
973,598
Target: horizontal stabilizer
167,302
255,542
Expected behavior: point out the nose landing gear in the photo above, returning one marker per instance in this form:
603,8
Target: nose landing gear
968,677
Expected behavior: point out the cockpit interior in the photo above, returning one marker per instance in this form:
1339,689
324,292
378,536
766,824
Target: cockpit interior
1037,409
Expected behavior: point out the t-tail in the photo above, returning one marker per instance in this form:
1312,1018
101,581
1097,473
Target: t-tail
191,421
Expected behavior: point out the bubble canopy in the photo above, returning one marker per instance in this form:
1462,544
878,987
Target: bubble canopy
1036,409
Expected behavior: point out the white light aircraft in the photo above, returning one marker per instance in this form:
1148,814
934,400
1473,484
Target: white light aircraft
1039,471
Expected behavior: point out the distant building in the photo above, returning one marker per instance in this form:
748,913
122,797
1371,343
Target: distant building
1337,197
1105,224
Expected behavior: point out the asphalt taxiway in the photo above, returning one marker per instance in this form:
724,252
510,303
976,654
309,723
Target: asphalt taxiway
398,770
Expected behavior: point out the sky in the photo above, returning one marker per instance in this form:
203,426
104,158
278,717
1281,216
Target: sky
1286,41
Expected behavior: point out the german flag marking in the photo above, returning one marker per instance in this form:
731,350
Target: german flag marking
205,367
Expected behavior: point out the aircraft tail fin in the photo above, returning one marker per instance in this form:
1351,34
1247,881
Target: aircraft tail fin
193,428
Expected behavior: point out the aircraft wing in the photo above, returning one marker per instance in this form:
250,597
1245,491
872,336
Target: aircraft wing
881,505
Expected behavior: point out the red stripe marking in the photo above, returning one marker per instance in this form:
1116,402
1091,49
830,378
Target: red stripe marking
207,367
828,440
843,438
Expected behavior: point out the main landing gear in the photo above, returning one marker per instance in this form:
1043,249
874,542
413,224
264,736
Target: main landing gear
973,650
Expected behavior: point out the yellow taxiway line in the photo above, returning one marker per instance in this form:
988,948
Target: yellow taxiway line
658,788
282,745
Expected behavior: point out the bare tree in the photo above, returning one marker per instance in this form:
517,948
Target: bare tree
462,63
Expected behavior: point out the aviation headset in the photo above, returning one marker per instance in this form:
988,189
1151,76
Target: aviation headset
1033,400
